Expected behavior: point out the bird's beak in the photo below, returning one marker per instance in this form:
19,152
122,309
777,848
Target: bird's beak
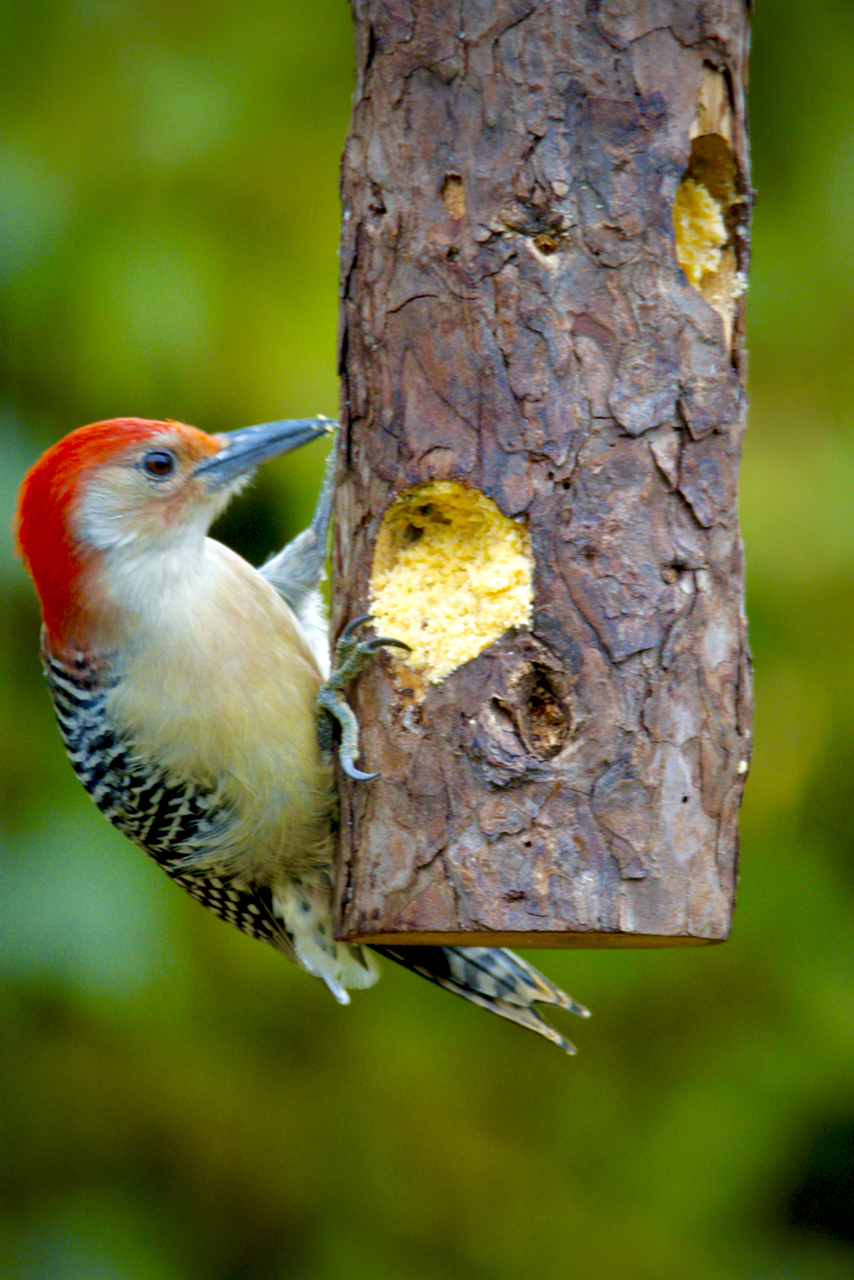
246,449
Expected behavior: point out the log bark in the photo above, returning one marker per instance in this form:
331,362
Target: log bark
545,212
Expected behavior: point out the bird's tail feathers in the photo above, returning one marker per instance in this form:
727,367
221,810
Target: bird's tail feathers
358,969
495,979
343,965
302,908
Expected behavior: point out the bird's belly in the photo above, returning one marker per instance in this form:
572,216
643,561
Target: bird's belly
263,817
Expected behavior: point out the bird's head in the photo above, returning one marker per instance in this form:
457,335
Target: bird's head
129,490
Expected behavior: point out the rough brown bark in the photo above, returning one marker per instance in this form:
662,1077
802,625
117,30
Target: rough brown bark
514,318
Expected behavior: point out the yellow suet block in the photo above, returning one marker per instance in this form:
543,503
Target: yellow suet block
451,574
700,230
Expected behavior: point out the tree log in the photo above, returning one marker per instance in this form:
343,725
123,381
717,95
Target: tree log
545,233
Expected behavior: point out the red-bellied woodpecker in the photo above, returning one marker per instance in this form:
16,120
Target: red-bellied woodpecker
188,685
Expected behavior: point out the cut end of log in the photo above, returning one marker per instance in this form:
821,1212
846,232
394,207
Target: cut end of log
451,573
545,939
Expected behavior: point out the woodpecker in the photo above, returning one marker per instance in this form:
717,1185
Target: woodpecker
193,693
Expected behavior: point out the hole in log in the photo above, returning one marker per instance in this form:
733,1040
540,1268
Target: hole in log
546,243
539,712
710,203
451,574
454,196
377,203
544,718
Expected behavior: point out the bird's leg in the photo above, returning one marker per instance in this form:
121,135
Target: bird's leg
350,654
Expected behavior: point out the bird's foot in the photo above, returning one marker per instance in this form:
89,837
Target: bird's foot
350,654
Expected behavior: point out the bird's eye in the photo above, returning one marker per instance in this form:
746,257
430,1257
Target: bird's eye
159,463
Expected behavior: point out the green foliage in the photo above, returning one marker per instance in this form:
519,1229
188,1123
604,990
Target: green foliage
176,1101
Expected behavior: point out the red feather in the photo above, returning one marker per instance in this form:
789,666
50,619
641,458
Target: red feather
44,524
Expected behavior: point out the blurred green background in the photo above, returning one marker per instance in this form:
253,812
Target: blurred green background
177,1102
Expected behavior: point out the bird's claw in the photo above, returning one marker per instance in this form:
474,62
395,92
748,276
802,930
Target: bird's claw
347,642
350,654
352,772
351,629
371,646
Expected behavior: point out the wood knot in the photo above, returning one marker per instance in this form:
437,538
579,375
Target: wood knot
540,711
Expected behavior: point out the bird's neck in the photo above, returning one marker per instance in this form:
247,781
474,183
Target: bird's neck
116,598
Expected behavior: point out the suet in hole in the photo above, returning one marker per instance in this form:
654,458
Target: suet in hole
454,195
710,204
451,574
701,232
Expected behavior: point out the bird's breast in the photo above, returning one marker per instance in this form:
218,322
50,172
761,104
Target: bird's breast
216,689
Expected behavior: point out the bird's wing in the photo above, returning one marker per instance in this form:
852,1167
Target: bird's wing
297,570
